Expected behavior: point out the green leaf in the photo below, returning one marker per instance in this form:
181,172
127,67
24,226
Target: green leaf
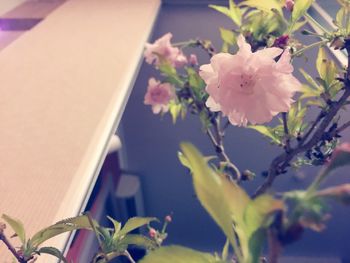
225,250
310,80
134,223
175,110
225,201
309,92
228,36
266,5
53,252
341,17
300,8
117,226
138,240
67,225
17,226
233,12
296,116
183,160
321,63
195,81
255,217
326,68
266,131
177,254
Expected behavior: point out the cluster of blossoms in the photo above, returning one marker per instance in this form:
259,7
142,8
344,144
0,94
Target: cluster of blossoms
161,52
248,87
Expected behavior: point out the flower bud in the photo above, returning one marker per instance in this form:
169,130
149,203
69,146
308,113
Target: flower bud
152,232
168,219
289,5
281,41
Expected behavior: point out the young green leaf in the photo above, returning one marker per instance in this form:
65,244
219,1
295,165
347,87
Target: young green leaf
175,110
310,80
117,226
178,254
183,160
233,12
228,36
300,8
225,250
67,225
268,132
134,223
17,226
225,201
266,5
255,217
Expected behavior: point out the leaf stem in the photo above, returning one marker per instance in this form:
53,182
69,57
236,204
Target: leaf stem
302,50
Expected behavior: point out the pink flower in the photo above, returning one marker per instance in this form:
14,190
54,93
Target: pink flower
289,5
152,232
161,50
250,87
193,60
159,95
168,219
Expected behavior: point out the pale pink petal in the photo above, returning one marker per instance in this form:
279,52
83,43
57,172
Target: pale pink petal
244,48
250,87
271,52
212,104
283,64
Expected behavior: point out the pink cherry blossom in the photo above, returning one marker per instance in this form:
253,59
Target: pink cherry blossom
162,49
250,86
159,95
289,5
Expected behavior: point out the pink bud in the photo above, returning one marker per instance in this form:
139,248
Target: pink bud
281,41
289,5
152,233
193,60
168,219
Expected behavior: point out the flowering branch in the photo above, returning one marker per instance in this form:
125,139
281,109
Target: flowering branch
281,162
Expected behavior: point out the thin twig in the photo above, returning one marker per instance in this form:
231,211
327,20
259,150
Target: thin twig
219,148
343,127
127,254
280,163
11,248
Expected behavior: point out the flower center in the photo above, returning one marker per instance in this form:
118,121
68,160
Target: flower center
247,83
159,95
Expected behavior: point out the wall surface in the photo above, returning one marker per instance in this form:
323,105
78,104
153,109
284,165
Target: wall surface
151,143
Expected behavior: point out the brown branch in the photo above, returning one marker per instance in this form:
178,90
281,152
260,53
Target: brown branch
286,131
281,162
220,150
11,248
